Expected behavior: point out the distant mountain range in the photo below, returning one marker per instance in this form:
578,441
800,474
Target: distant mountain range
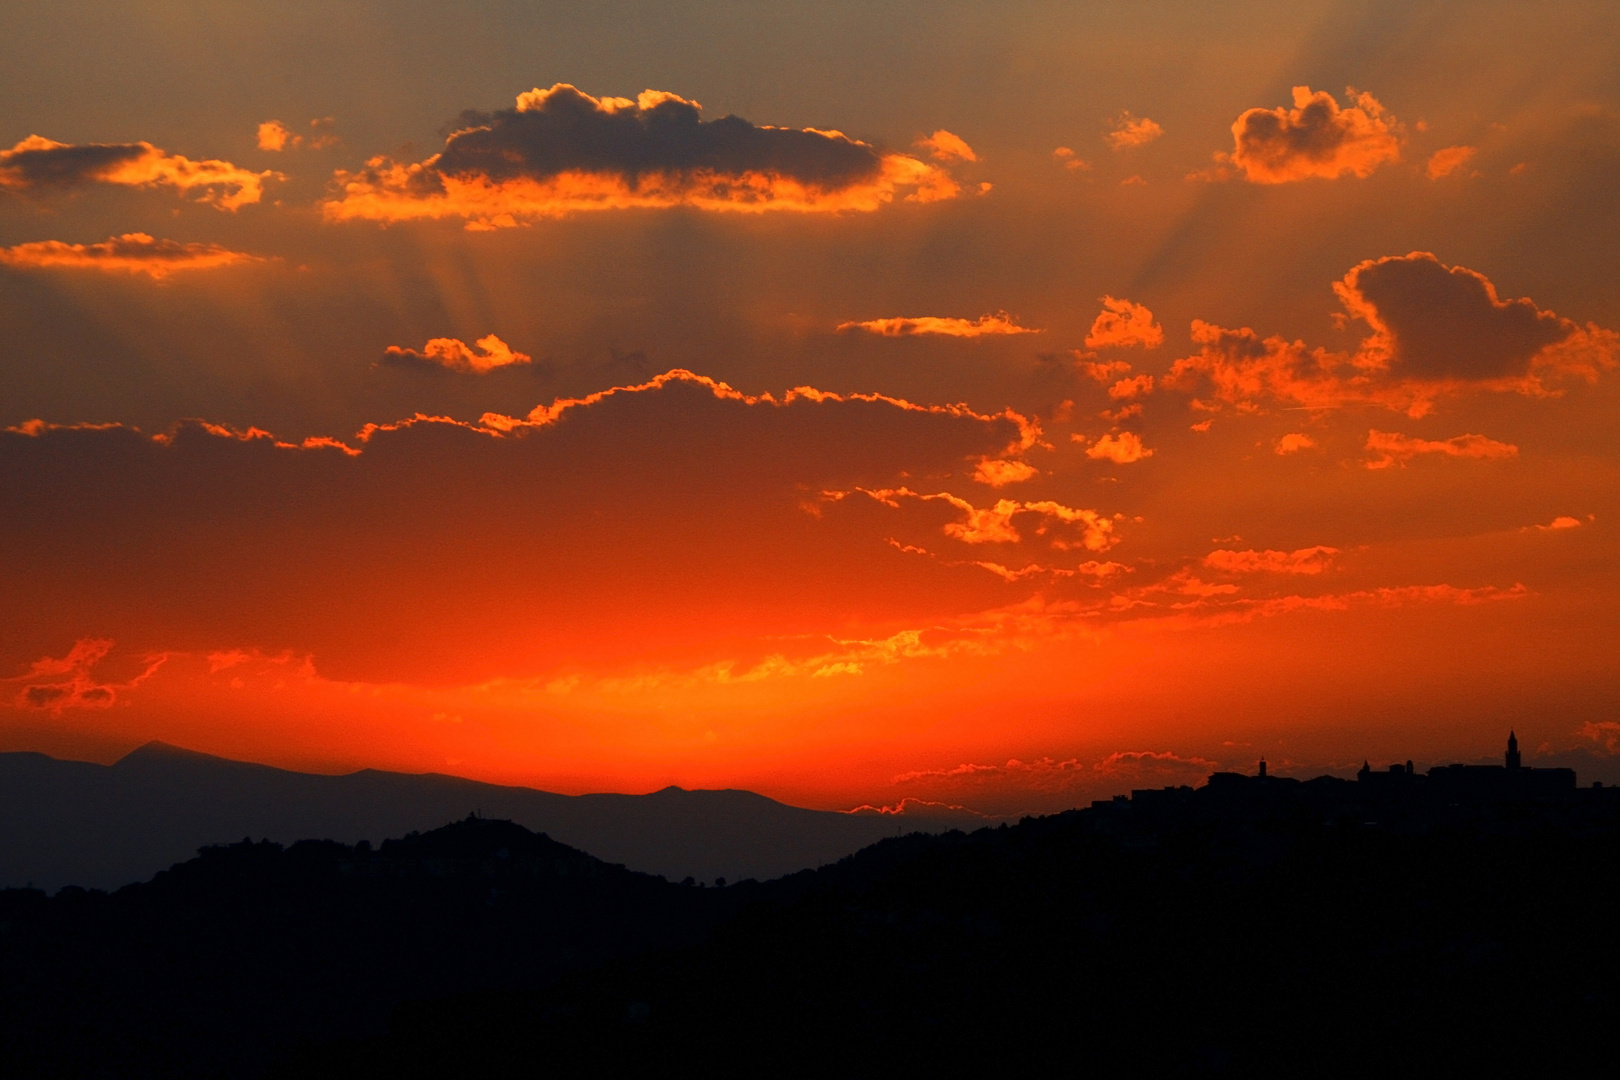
103,826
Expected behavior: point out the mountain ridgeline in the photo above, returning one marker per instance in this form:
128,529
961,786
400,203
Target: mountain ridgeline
99,826
1459,923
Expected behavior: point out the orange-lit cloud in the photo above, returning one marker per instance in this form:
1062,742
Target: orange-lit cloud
275,136
70,682
1130,132
1123,324
1294,442
1311,560
1102,370
1315,139
1001,323
561,151
1392,448
132,253
943,146
1121,449
1559,523
1064,156
1041,779
1136,386
999,472
1435,330
454,354
1447,161
38,164
1000,524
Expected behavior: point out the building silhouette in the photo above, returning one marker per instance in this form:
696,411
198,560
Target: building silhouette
1506,796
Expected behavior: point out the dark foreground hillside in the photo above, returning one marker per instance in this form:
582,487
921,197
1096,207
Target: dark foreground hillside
220,965
1244,929
1047,949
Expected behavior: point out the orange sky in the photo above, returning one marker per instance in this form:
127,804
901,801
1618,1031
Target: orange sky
995,408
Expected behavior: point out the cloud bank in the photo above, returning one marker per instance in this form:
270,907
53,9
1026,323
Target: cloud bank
643,521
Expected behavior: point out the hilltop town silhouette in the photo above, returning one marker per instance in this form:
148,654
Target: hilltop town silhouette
1461,918
1510,795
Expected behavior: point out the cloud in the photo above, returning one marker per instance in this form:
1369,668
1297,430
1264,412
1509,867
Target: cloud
1315,139
1293,442
943,146
1102,371
1136,386
1560,523
1438,322
1122,449
275,136
1447,161
1122,324
1311,560
999,472
1392,448
999,524
1000,323
455,355
1604,732
1159,768
662,520
1066,157
561,151
1435,330
39,164
68,682
132,253
1056,782
1130,132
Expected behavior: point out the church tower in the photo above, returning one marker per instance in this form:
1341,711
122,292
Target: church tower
1512,752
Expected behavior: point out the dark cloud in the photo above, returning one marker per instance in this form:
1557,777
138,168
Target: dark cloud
1436,330
563,130
41,697
561,151
38,163
1447,322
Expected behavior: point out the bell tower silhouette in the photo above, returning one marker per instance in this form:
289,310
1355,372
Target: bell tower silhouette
1512,752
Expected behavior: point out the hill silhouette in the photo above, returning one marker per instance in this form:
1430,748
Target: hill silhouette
250,947
1255,926
76,823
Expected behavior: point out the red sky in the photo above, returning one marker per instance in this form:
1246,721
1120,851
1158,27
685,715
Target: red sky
996,408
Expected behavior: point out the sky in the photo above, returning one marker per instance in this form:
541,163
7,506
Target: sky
878,404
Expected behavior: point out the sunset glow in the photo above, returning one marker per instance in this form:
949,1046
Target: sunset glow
834,438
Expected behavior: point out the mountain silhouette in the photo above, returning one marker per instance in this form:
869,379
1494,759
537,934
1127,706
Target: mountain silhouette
99,826
1252,927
